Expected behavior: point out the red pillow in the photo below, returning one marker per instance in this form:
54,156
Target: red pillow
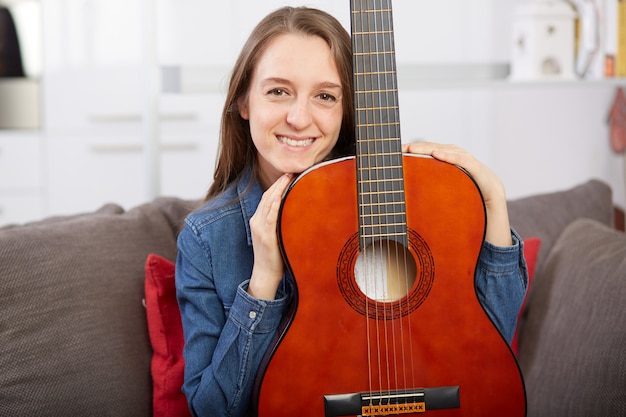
166,336
531,251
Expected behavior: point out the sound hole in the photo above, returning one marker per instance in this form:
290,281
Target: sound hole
385,271
397,300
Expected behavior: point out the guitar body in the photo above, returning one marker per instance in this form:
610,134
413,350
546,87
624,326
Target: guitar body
436,341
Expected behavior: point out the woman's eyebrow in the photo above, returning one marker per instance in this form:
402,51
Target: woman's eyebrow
280,80
329,84
276,80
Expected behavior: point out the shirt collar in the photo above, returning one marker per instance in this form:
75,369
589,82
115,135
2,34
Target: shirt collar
250,193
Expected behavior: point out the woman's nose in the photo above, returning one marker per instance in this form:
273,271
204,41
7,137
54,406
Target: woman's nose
299,115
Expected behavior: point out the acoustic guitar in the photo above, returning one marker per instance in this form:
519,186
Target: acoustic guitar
383,248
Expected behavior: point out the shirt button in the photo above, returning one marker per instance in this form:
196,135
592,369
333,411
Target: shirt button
252,315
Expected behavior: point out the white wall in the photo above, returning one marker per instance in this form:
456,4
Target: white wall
538,137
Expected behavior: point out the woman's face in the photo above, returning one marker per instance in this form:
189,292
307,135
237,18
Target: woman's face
294,105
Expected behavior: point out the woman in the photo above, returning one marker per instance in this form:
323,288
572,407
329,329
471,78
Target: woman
289,106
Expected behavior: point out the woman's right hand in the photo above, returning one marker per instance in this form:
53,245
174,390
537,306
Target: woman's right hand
268,268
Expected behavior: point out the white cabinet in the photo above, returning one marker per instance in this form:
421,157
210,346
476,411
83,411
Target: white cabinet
94,103
21,184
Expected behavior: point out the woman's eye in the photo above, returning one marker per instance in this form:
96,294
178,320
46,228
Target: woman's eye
327,97
277,92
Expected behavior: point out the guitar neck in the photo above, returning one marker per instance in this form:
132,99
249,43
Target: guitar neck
380,180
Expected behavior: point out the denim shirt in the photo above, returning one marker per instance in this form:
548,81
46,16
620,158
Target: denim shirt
227,332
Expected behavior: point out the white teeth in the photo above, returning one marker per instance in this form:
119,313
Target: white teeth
292,142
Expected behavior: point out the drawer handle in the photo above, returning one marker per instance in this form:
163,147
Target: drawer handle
115,118
116,148
134,118
136,147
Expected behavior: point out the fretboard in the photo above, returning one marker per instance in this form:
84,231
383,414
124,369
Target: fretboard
380,182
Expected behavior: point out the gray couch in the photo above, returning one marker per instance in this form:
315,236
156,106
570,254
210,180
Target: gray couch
74,339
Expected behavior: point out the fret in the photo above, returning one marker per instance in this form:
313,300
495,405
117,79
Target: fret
383,205
388,90
371,11
372,53
376,109
387,139
372,236
365,194
386,166
393,213
371,217
374,62
373,32
358,74
379,184
390,220
379,146
381,231
372,202
371,173
390,225
370,194
378,124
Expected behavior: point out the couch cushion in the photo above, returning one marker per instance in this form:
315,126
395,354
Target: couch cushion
572,350
73,334
531,250
546,215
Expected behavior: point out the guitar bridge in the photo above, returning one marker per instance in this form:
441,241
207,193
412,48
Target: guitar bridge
385,403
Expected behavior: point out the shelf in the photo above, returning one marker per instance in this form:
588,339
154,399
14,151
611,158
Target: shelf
214,80
19,103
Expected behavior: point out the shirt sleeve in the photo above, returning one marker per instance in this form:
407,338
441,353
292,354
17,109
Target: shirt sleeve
224,344
501,282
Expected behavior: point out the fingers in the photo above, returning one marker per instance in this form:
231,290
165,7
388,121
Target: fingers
263,222
268,263
451,154
492,189
486,179
268,208
441,151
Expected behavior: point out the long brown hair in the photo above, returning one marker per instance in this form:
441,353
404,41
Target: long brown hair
236,149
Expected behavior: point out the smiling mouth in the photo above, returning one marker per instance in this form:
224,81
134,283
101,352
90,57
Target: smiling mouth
295,142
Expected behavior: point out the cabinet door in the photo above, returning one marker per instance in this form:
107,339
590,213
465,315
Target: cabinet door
93,62
87,171
20,207
20,160
21,185
189,131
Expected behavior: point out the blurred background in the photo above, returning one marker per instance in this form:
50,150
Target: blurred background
119,100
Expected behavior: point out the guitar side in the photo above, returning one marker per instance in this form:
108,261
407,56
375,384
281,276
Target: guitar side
442,337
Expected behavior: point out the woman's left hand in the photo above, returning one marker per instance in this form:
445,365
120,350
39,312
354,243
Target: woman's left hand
498,228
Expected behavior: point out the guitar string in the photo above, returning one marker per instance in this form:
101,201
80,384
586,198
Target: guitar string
380,171
377,127
357,17
386,126
408,281
370,167
371,142
374,182
401,264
